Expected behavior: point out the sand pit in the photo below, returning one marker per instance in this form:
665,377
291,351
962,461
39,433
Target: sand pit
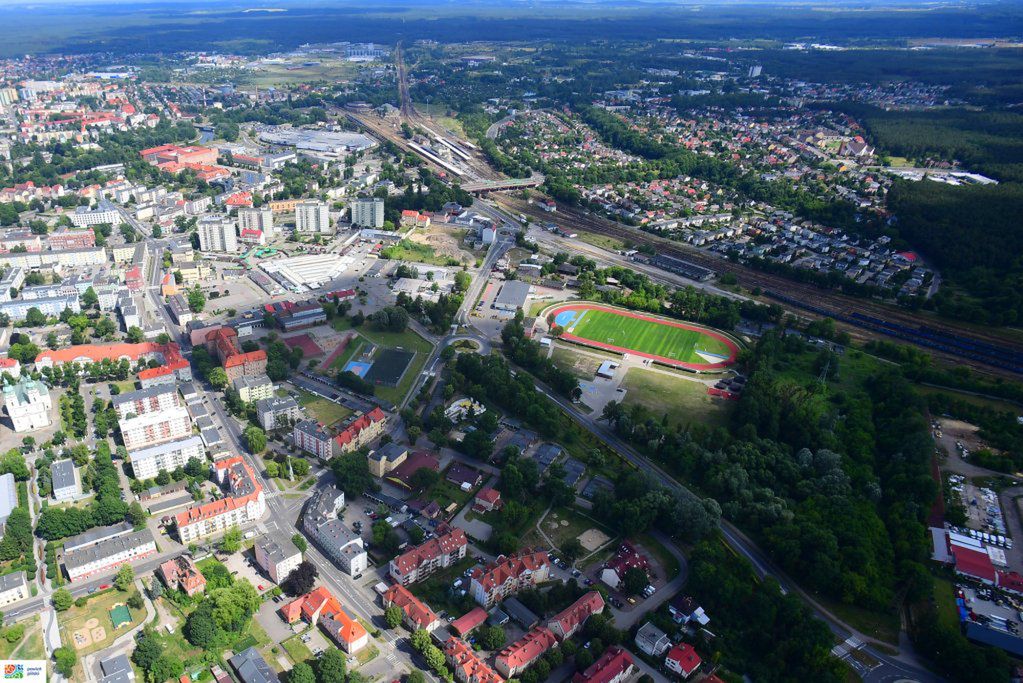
82,639
91,624
98,634
591,539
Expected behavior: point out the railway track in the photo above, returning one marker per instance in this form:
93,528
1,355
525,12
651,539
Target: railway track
847,309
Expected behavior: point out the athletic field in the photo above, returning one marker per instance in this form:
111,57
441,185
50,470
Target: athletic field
667,341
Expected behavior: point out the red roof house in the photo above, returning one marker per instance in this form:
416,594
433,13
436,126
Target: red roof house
683,660
614,666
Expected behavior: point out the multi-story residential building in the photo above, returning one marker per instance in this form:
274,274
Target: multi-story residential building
145,401
104,213
253,388
361,431
154,428
250,667
51,306
278,559
246,503
72,239
65,480
368,212
509,575
146,463
310,436
277,411
108,554
320,522
567,622
415,613
217,233
8,497
14,587
466,663
14,278
261,219
435,554
521,654
223,342
28,405
181,573
385,458
311,216
614,666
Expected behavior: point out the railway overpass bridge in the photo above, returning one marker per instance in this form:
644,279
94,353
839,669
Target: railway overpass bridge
484,186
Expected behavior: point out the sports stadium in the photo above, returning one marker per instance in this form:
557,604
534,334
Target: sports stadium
670,342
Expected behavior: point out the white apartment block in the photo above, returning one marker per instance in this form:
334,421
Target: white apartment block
312,217
105,212
65,480
109,554
14,587
261,219
166,457
146,401
368,212
246,503
153,428
278,559
217,233
28,405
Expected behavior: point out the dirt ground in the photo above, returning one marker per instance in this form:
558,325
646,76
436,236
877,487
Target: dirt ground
446,242
591,539
957,430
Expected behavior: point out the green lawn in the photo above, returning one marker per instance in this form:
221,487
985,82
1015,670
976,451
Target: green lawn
684,401
296,649
407,340
882,626
407,250
30,646
326,412
354,346
669,563
446,493
435,589
944,597
97,607
646,336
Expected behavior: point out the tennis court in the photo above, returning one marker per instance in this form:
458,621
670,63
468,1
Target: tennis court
358,367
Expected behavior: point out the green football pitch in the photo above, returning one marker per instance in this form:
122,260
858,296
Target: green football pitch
647,336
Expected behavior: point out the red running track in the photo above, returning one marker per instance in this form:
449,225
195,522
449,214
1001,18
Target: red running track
733,348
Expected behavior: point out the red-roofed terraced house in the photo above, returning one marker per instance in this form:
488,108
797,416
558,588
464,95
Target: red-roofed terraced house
415,613
509,575
361,431
245,504
521,654
614,666
426,558
467,665
223,342
566,623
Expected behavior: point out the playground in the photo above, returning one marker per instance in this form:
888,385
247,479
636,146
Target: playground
671,342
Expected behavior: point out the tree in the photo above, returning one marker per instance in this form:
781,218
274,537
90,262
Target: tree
137,515
135,601
62,599
232,540
196,299
89,298
65,660
167,667
147,652
331,666
135,334
125,577
300,542
217,378
634,581
302,673
255,439
301,579
416,677
491,637
392,615
352,475
424,478
273,469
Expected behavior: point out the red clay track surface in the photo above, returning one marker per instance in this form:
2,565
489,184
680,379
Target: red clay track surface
733,348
